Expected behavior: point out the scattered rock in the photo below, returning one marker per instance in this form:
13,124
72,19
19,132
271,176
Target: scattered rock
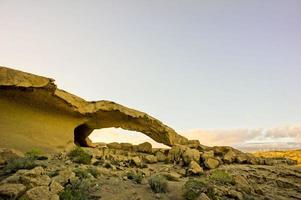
229,157
126,146
9,154
211,163
203,196
136,161
114,145
64,176
150,159
208,154
145,147
55,187
160,156
175,153
195,168
190,155
242,184
11,191
235,194
40,193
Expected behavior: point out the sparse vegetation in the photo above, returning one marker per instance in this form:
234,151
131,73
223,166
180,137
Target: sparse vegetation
135,177
93,171
158,183
193,188
82,173
221,176
26,162
78,190
79,155
33,153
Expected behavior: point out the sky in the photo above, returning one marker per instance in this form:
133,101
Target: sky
195,65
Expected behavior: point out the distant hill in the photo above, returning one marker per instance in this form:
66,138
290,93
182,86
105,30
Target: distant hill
292,154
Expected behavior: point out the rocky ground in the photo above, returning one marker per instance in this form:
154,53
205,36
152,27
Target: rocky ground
125,172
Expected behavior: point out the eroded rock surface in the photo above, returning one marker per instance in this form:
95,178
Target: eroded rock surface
38,114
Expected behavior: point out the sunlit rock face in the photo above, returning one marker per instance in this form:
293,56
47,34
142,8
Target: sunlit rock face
35,113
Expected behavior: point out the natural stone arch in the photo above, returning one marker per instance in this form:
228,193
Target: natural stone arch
74,117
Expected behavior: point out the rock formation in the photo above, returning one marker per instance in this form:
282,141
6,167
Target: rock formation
35,113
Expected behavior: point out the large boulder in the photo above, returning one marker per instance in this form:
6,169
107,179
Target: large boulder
161,157
211,163
195,168
191,155
145,147
229,157
40,193
11,190
150,159
30,178
9,154
176,152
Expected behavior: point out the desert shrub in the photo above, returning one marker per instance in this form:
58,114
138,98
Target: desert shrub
221,176
193,188
53,173
26,162
170,177
33,153
82,173
78,190
78,155
93,171
158,184
135,177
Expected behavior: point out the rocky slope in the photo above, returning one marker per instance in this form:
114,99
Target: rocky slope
125,171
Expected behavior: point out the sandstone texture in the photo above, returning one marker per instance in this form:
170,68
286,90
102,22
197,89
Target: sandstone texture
38,114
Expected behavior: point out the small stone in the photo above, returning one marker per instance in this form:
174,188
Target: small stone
235,194
203,196
11,190
211,163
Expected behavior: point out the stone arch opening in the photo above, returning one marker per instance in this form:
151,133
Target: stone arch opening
119,135
81,134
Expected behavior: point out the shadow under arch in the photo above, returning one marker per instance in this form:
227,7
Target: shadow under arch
81,134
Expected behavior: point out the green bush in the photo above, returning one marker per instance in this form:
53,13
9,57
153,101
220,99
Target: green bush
78,190
221,176
20,163
78,155
136,177
93,171
158,184
33,153
193,188
82,173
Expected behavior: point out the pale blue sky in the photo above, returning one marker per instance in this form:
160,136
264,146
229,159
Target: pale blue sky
192,64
